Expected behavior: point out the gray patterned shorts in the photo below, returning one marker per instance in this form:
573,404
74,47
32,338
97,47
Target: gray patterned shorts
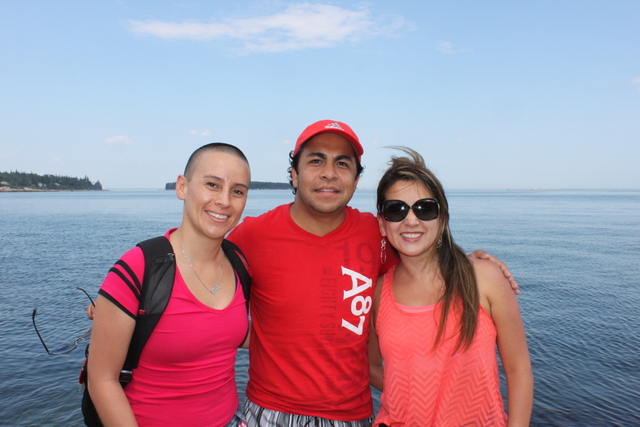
237,420
257,416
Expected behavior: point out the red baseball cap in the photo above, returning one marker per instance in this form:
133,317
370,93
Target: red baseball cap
330,126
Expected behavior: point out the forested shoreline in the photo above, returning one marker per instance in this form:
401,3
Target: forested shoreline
23,181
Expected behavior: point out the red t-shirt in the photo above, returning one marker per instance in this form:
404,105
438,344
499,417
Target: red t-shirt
186,371
310,302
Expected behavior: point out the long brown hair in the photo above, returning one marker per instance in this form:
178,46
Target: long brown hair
461,289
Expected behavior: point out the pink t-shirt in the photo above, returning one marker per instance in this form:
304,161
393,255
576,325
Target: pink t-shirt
435,388
186,371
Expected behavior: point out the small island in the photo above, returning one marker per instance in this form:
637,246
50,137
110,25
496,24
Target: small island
23,181
253,185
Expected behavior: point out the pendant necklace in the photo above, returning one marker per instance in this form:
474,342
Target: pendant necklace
217,287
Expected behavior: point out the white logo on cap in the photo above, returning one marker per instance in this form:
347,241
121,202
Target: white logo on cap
333,126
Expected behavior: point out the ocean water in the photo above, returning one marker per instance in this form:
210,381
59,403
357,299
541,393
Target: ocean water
575,254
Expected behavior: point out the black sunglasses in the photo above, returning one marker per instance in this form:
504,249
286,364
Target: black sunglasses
68,347
397,210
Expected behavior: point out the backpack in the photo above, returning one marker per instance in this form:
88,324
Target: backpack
157,284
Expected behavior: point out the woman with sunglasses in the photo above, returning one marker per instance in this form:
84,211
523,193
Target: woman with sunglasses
185,374
437,316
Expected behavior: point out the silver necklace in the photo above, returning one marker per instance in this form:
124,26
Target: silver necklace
217,287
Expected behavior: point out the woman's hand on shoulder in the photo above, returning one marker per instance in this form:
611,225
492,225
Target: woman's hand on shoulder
480,254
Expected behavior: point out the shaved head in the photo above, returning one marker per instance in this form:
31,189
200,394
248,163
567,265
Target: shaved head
214,146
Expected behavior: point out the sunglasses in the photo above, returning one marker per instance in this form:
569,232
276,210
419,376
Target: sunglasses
397,210
68,347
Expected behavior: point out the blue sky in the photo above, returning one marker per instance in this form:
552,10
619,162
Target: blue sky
494,94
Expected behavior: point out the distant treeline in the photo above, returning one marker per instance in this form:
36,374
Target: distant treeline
260,185
46,182
253,185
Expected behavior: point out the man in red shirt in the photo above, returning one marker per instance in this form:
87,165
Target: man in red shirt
314,263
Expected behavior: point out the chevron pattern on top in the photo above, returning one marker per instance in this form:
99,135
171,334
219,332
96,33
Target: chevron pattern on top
435,388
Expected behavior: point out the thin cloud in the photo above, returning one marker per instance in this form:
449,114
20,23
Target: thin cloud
447,47
300,26
636,82
9,154
119,140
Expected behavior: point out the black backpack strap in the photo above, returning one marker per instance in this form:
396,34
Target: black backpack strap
240,265
157,284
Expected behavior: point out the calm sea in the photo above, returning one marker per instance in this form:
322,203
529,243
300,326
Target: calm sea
576,255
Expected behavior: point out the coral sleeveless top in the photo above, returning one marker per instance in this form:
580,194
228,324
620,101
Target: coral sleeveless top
435,388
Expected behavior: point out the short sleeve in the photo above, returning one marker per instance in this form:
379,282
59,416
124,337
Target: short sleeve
123,283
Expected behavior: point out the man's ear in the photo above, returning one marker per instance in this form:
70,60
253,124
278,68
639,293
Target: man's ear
294,178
